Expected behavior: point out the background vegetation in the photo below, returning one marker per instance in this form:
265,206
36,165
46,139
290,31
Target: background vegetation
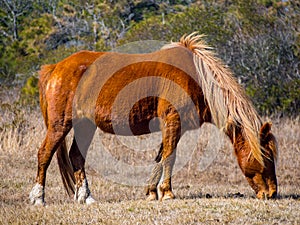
258,39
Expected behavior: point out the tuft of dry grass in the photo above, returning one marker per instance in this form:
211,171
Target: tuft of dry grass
217,194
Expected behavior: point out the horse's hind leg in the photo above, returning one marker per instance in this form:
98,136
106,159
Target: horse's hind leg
54,138
83,135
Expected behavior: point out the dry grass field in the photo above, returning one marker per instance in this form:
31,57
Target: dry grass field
215,194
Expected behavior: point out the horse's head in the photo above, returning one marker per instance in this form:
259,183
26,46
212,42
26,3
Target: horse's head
262,178
269,149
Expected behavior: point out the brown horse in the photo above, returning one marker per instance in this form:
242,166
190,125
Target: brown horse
183,84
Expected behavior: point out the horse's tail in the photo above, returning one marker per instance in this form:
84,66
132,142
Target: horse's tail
63,160
227,101
44,73
65,168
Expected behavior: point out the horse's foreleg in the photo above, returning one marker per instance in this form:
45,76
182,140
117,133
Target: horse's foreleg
165,189
45,154
171,130
83,135
153,182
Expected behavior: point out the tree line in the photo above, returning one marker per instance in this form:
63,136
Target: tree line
258,39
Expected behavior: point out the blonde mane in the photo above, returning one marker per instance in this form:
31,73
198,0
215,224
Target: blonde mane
228,103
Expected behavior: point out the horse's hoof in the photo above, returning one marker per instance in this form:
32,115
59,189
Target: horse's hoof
90,200
167,196
84,200
36,195
152,196
39,202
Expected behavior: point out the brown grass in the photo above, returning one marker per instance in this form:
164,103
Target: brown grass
218,194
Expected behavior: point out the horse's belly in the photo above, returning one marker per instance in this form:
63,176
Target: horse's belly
140,119
129,127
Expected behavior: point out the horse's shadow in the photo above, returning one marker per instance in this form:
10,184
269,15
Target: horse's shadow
289,196
237,195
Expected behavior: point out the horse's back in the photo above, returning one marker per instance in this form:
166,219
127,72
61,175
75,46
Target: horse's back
120,89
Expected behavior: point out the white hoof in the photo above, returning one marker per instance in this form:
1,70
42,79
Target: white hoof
37,194
90,200
83,194
39,202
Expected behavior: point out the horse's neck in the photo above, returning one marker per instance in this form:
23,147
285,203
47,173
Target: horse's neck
236,137
234,132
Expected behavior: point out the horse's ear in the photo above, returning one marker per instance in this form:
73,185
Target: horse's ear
265,129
